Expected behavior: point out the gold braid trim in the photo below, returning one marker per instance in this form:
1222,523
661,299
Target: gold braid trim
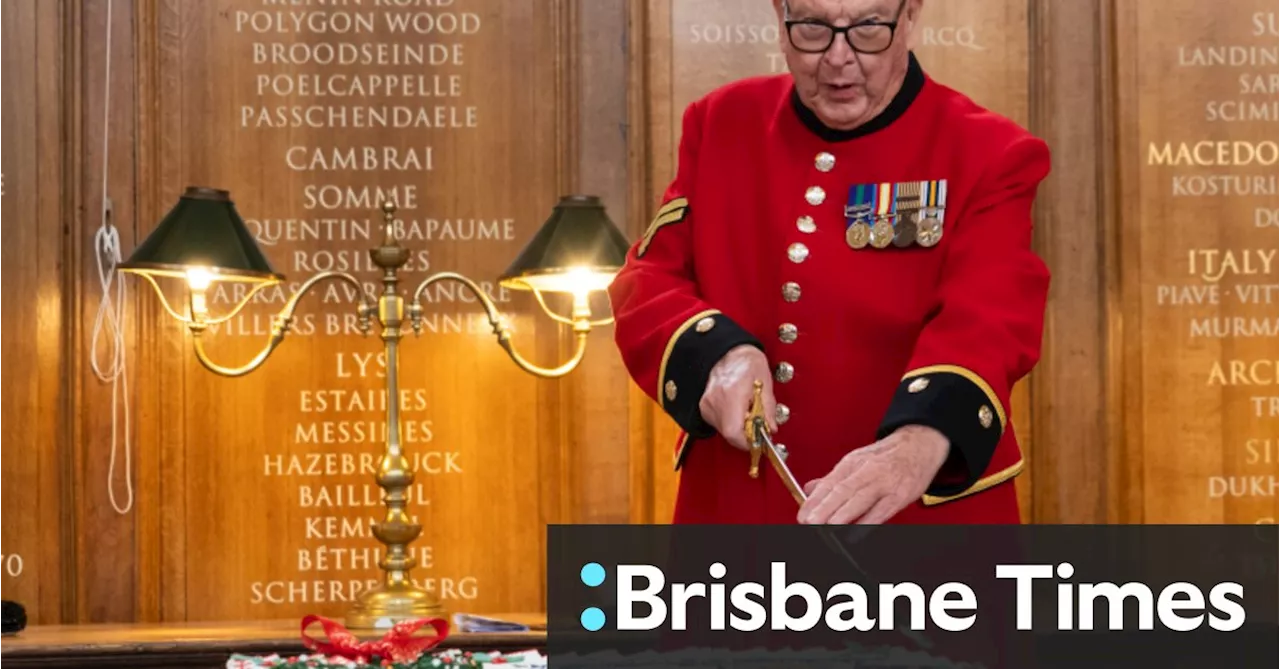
982,484
672,212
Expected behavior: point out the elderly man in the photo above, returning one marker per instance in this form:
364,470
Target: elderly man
856,236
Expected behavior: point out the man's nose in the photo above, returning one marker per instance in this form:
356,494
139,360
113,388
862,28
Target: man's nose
840,53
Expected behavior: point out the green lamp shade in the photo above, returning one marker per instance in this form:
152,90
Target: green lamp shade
203,232
577,250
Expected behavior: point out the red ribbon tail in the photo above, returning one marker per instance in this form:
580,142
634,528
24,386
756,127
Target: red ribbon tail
340,641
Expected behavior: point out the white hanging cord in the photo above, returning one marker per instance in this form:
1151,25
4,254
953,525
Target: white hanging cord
106,251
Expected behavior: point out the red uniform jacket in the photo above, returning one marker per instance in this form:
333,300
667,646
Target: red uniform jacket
765,238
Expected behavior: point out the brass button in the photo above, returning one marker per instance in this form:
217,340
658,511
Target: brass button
782,452
815,195
705,324
824,162
985,416
918,385
791,291
798,252
806,225
788,333
782,413
671,391
784,372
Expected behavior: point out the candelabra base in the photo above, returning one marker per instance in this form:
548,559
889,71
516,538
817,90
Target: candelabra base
385,606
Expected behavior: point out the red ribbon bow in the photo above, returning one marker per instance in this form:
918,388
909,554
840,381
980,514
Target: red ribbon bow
398,645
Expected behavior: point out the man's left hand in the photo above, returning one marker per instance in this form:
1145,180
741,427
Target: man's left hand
872,484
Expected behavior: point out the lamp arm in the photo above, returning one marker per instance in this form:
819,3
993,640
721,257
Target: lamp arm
579,350
277,335
581,327
561,319
244,302
163,300
281,324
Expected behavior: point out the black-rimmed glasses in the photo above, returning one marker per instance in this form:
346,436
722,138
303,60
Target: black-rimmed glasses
816,35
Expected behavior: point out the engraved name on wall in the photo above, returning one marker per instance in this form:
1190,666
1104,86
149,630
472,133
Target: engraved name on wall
1207,128
320,113
355,99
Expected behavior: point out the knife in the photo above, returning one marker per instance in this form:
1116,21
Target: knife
760,442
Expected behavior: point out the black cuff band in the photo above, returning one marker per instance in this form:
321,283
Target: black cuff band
960,405
693,350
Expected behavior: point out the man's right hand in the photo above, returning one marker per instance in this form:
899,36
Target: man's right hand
729,392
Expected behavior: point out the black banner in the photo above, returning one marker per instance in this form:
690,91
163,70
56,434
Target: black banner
912,596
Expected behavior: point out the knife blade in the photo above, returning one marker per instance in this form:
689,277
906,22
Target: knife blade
761,443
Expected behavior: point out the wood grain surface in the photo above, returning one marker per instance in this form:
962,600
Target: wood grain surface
273,487
1197,170
38,520
253,495
1155,399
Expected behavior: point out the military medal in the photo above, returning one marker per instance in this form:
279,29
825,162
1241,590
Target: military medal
933,200
858,233
929,232
904,234
881,234
886,210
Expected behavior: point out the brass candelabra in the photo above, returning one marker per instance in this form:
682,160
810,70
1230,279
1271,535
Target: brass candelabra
203,240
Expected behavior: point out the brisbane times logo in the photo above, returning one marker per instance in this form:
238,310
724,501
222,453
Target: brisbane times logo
643,600
991,595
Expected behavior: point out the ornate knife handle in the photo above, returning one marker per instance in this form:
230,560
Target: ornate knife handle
754,425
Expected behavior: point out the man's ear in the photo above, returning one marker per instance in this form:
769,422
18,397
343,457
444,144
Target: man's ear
777,8
911,16
913,9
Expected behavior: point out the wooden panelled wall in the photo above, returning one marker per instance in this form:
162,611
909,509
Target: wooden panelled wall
1155,400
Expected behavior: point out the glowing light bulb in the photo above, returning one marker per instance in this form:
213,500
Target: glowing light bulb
199,278
580,283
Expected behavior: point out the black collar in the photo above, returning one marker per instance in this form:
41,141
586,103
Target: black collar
912,84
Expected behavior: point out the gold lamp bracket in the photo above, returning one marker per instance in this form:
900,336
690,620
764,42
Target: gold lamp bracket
213,244
500,329
581,311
